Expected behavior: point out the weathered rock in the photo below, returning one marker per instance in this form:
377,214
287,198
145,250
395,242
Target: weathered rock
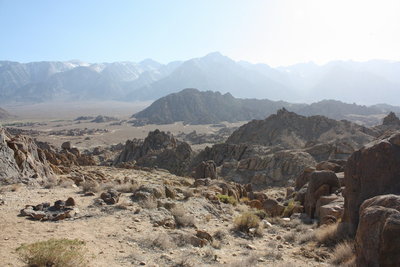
170,192
322,183
371,171
378,233
66,145
110,197
329,209
391,119
204,235
45,212
273,207
206,169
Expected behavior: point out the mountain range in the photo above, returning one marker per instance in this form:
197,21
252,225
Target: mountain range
371,82
205,107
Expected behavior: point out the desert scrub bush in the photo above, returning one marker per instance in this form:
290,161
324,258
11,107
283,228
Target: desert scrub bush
227,199
246,221
343,254
182,219
290,237
54,252
90,186
260,214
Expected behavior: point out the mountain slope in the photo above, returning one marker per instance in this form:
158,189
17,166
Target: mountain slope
4,114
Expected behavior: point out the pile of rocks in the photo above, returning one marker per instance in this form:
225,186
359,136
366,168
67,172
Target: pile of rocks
45,212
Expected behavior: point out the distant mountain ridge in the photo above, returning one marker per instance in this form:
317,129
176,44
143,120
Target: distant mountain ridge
4,114
196,107
375,81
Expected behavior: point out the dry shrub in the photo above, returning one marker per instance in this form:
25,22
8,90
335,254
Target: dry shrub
290,237
148,203
246,221
185,262
227,199
306,237
67,183
163,242
251,260
343,254
181,217
51,182
220,235
91,186
127,188
54,252
330,235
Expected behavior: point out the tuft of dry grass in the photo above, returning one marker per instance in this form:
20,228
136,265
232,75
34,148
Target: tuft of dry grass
54,252
246,221
227,199
50,182
163,242
343,254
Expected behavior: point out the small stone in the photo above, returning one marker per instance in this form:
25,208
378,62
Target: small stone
89,194
250,247
142,263
280,246
278,237
286,219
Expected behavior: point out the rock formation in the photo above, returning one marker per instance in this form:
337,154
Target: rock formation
159,149
21,158
391,119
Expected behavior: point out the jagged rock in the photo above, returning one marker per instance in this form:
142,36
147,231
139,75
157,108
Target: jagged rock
20,157
162,217
378,232
391,119
159,149
322,183
204,235
371,171
110,197
148,192
206,169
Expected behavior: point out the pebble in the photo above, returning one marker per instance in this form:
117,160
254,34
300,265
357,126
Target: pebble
278,237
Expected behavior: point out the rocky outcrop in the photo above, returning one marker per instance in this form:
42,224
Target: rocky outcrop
21,158
159,149
206,169
371,171
378,233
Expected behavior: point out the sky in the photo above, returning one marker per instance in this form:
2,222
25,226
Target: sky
275,32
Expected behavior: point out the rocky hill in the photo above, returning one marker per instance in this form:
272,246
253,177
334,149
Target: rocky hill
198,107
290,130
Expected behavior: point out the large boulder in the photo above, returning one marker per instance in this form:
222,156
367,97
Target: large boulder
371,171
322,183
378,233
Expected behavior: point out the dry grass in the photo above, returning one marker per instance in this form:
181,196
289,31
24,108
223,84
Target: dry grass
148,203
343,254
50,182
54,252
163,242
290,237
91,186
249,261
330,235
246,221
227,199
182,219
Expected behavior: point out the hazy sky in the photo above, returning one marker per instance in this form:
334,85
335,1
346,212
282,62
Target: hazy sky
276,32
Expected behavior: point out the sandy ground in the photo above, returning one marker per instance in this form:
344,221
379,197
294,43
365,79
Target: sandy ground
120,237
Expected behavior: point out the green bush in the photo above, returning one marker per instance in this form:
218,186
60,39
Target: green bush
246,221
55,253
227,199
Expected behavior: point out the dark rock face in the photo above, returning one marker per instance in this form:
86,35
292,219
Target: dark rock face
391,119
371,171
378,233
21,158
206,169
159,149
